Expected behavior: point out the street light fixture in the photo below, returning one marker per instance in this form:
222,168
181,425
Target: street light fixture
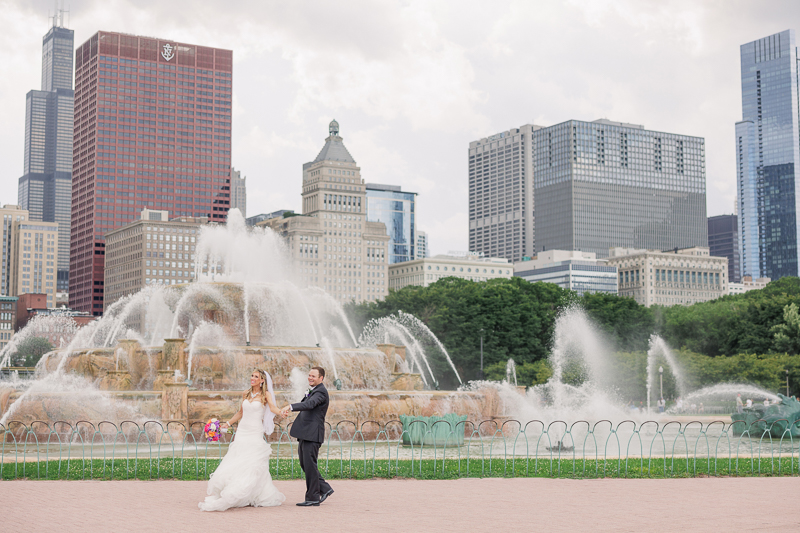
661,380
787,382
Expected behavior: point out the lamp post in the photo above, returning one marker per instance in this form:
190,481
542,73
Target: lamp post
661,381
787,382
481,353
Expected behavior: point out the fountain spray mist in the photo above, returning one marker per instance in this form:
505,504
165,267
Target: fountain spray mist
659,349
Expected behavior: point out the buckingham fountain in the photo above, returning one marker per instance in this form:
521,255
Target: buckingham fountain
184,353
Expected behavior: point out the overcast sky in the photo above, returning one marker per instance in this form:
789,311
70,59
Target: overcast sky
412,83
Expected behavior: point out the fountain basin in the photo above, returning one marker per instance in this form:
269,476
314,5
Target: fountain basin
178,384
349,410
447,430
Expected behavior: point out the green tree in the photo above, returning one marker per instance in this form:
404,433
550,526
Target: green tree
516,319
622,319
787,335
732,324
30,350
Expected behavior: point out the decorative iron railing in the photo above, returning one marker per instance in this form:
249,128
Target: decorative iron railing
150,450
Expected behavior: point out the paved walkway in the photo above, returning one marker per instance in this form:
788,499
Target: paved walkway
384,506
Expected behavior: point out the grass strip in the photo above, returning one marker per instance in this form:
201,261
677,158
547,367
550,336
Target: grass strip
200,469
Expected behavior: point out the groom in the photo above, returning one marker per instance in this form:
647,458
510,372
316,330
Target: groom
309,430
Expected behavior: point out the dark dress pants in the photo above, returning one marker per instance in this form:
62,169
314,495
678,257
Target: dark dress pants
315,485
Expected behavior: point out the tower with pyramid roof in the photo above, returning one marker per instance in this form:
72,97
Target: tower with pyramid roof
333,244
332,181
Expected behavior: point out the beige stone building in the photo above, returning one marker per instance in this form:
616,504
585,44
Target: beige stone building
152,250
675,277
332,243
428,270
34,261
11,215
748,284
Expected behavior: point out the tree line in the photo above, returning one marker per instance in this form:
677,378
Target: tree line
753,336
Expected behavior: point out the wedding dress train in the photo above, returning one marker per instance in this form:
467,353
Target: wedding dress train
243,478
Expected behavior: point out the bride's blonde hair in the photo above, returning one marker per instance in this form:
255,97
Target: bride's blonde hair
263,398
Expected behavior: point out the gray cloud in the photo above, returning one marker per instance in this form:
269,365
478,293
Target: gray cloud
413,82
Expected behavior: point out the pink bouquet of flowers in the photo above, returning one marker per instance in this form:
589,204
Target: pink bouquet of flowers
213,430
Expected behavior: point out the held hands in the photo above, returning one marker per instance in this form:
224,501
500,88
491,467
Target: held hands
285,411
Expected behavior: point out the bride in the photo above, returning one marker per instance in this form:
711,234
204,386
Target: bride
243,478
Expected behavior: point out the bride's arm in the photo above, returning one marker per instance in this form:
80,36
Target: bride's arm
272,406
235,418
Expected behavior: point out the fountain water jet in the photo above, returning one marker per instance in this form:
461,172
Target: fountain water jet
658,348
145,345
511,372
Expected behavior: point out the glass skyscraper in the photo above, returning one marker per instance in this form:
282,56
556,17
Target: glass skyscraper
605,184
45,189
395,208
768,153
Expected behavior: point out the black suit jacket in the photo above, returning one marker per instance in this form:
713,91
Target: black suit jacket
310,422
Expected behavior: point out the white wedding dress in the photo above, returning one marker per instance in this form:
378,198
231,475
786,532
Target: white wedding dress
242,478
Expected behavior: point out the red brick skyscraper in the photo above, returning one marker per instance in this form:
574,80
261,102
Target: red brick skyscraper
152,129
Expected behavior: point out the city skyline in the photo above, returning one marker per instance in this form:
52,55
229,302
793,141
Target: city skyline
685,78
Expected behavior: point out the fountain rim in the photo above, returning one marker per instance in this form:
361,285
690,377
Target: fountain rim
230,347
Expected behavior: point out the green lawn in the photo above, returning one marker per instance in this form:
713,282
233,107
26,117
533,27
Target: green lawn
191,469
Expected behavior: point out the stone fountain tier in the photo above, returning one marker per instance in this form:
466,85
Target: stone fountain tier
129,366
176,403
171,384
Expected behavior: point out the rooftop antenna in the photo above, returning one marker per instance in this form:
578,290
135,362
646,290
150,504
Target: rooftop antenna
58,14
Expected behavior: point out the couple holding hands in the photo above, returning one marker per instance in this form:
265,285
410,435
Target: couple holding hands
243,478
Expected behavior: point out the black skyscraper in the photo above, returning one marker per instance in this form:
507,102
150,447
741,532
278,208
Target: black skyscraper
723,241
45,189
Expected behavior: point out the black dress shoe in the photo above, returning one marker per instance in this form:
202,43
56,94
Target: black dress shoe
308,504
325,496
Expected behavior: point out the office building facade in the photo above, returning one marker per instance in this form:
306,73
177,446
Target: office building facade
747,284
396,209
607,184
153,250
723,241
425,271
12,215
768,157
152,130
239,191
422,251
674,277
304,236
8,319
576,271
45,188
34,259
501,207
332,241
